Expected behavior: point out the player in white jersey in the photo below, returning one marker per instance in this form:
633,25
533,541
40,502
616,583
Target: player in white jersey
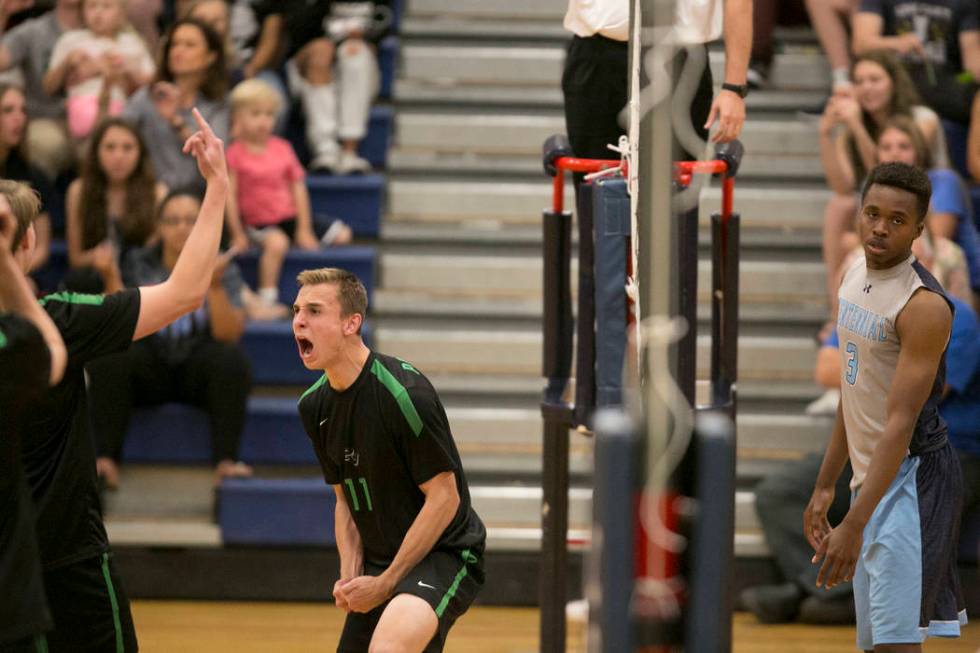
898,540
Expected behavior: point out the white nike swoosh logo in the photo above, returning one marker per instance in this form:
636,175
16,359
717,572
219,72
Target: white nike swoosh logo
421,584
324,421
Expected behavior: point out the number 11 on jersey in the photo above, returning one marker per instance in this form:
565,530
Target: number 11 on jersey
352,491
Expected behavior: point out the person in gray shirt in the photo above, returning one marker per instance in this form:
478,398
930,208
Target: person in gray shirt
188,76
28,47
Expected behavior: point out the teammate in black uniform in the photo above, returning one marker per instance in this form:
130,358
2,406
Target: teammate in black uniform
32,357
410,544
89,607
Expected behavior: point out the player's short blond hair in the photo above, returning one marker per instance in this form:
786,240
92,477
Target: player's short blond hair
25,203
351,293
253,92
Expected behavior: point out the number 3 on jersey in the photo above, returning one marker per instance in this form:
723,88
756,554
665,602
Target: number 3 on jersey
352,491
852,363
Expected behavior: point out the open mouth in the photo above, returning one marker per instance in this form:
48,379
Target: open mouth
305,347
876,246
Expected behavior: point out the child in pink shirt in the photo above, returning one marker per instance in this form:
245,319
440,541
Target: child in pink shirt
269,204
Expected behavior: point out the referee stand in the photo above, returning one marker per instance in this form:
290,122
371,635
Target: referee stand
621,551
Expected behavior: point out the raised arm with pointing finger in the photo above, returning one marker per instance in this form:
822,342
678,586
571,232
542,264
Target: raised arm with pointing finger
188,284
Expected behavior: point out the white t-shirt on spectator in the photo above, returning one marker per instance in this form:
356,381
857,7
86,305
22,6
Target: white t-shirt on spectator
699,21
127,44
608,18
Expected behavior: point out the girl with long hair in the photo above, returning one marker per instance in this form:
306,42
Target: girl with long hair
110,208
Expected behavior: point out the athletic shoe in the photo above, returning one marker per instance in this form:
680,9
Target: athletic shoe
349,163
825,404
818,611
773,604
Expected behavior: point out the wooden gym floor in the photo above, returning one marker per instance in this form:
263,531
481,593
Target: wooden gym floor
225,627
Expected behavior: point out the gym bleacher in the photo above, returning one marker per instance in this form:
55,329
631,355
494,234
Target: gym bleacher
448,245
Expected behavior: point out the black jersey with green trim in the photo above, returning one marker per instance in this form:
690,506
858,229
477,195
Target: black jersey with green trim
26,364
58,451
380,439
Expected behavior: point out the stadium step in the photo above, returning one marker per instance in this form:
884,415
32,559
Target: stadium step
520,277
518,352
797,69
514,10
506,203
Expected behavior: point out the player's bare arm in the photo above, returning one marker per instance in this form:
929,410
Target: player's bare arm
348,546
441,502
16,295
188,284
815,524
923,329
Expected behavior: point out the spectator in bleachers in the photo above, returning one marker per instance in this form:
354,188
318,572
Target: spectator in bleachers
973,143
15,165
144,15
111,207
28,47
849,128
196,360
334,73
831,20
98,66
269,204
765,15
939,42
217,14
950,210
191,72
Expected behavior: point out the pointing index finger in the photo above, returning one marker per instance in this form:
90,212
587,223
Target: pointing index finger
202,124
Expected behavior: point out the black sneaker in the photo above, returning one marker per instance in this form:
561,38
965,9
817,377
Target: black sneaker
773,604
817,611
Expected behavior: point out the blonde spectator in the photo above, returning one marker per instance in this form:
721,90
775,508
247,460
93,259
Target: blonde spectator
268,204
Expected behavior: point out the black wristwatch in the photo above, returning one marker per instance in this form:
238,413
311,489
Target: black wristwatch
740,90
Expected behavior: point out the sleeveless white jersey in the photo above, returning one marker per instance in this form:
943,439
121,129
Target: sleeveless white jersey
869,302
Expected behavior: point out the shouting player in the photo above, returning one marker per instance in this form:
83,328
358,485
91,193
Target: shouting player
410,544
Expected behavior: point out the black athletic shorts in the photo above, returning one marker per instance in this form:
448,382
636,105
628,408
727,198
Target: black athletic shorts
446,580
33,644
89,608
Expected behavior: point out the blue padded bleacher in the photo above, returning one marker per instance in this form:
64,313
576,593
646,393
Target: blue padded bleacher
279,511
271,350
179,434
359,260
388,63
374,146
356,199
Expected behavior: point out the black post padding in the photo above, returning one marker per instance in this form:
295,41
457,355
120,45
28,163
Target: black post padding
724,310
731,153
709,610
554,148
687,307
558,323
611,203
611,567
552,588
585,324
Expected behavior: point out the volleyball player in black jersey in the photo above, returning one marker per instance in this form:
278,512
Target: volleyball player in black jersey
90,609
32,358
410,544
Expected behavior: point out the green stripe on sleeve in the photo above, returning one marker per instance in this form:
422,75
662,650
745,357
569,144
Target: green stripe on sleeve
313,388
400,394
73,298
3,340
115,604
451,592
41,644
